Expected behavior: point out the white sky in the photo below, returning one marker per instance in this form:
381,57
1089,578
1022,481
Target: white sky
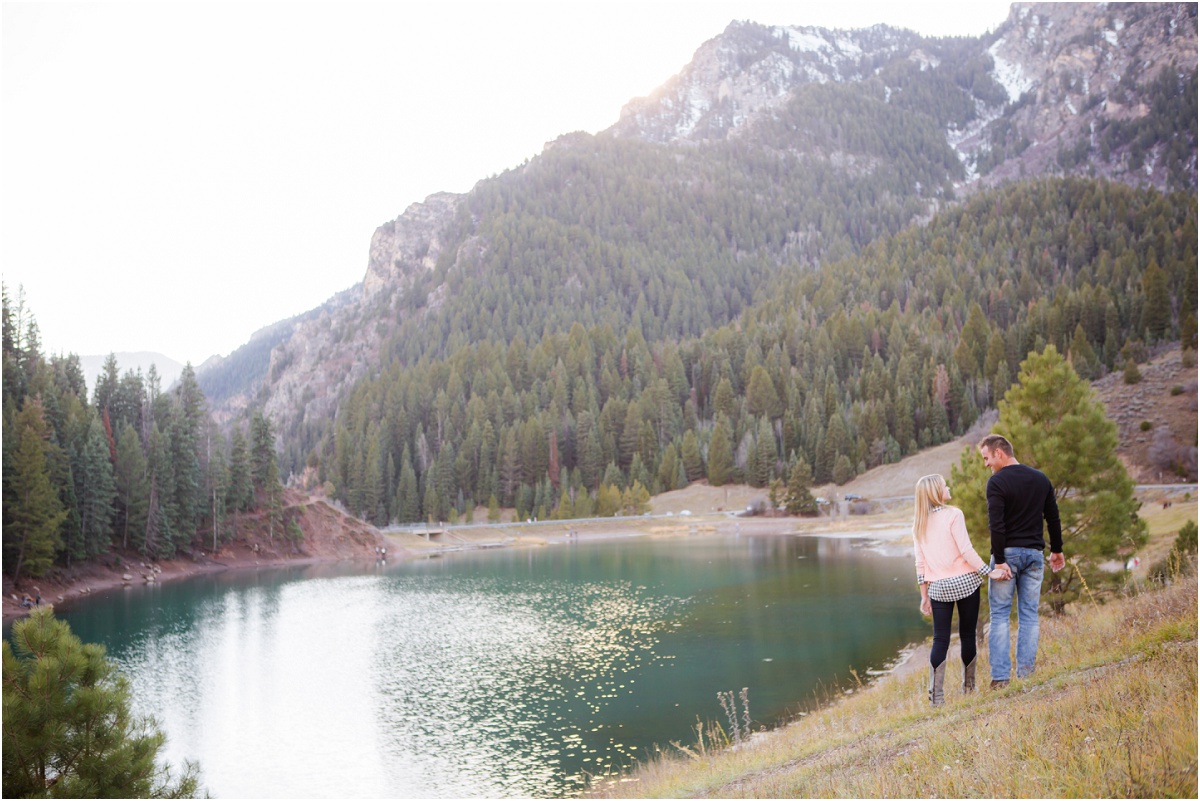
175,176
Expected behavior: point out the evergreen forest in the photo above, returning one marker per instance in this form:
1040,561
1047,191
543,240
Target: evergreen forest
528,388
132,466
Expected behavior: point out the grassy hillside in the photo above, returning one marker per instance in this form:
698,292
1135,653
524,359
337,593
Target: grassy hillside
1110,712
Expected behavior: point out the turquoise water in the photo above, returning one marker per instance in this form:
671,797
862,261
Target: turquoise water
516,672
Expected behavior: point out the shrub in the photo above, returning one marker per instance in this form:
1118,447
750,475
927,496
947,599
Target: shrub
1186,541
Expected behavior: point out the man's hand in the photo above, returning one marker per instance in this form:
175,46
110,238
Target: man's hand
1057,561
1004,570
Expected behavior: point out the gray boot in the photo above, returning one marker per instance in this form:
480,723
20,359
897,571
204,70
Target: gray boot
937,677
969,677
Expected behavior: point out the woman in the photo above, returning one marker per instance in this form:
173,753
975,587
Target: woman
949,572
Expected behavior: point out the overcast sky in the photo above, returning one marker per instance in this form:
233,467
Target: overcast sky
175,176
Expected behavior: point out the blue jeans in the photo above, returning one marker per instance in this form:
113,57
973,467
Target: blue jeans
1026,566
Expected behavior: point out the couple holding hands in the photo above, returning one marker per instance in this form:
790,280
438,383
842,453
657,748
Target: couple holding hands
950,573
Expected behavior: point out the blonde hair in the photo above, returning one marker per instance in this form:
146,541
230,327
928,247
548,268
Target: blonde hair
930,491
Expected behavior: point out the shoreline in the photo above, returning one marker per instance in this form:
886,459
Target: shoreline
116,570
99,579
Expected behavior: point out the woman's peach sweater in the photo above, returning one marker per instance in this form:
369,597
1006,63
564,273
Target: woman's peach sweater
947,550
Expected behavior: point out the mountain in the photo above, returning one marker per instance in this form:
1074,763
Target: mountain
232,383
774,154
1053,85
168,369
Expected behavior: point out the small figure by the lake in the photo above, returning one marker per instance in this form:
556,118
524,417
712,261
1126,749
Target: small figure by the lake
949,574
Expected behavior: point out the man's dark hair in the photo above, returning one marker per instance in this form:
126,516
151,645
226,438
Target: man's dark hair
995,442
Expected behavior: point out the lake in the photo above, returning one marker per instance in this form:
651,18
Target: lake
517,672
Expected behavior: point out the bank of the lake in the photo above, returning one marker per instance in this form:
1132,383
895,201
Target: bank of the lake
333,537
1109,713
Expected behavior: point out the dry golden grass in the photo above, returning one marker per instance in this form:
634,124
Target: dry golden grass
1110,712
1164,525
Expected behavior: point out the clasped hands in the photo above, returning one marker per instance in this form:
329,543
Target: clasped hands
1003,572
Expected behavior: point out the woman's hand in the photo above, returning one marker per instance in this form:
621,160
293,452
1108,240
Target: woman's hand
999,574
926,607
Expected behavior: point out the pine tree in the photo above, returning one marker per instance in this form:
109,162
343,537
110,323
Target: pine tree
95,492
159,541
613,476
188,421
667,468
1083,357
374,496
408,494
1056,424
264,469
510,468
1187,332
273,500
765,454
262,451
443,479
693,462
720,455
591,457
608,500
970,354
636,499
132,487
432,503
554,465
799,498
32,510
107,384
1156,313
630,434
724,399
216,480
836,445
241,482
564,509
843,471
761,398
68,726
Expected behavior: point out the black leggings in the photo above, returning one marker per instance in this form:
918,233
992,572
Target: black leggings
968,617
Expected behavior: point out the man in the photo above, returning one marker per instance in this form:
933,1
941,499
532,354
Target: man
1019,498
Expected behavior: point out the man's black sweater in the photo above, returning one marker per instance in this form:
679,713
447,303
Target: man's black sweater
1019,497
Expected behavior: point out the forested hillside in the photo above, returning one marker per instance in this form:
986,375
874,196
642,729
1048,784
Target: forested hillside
842,367
777,150
809,253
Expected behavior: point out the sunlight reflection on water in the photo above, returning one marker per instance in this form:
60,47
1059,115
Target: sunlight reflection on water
476,688
488,670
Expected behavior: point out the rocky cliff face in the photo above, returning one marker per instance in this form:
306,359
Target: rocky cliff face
1066,68
408,244
1077,65
749,69
328,352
